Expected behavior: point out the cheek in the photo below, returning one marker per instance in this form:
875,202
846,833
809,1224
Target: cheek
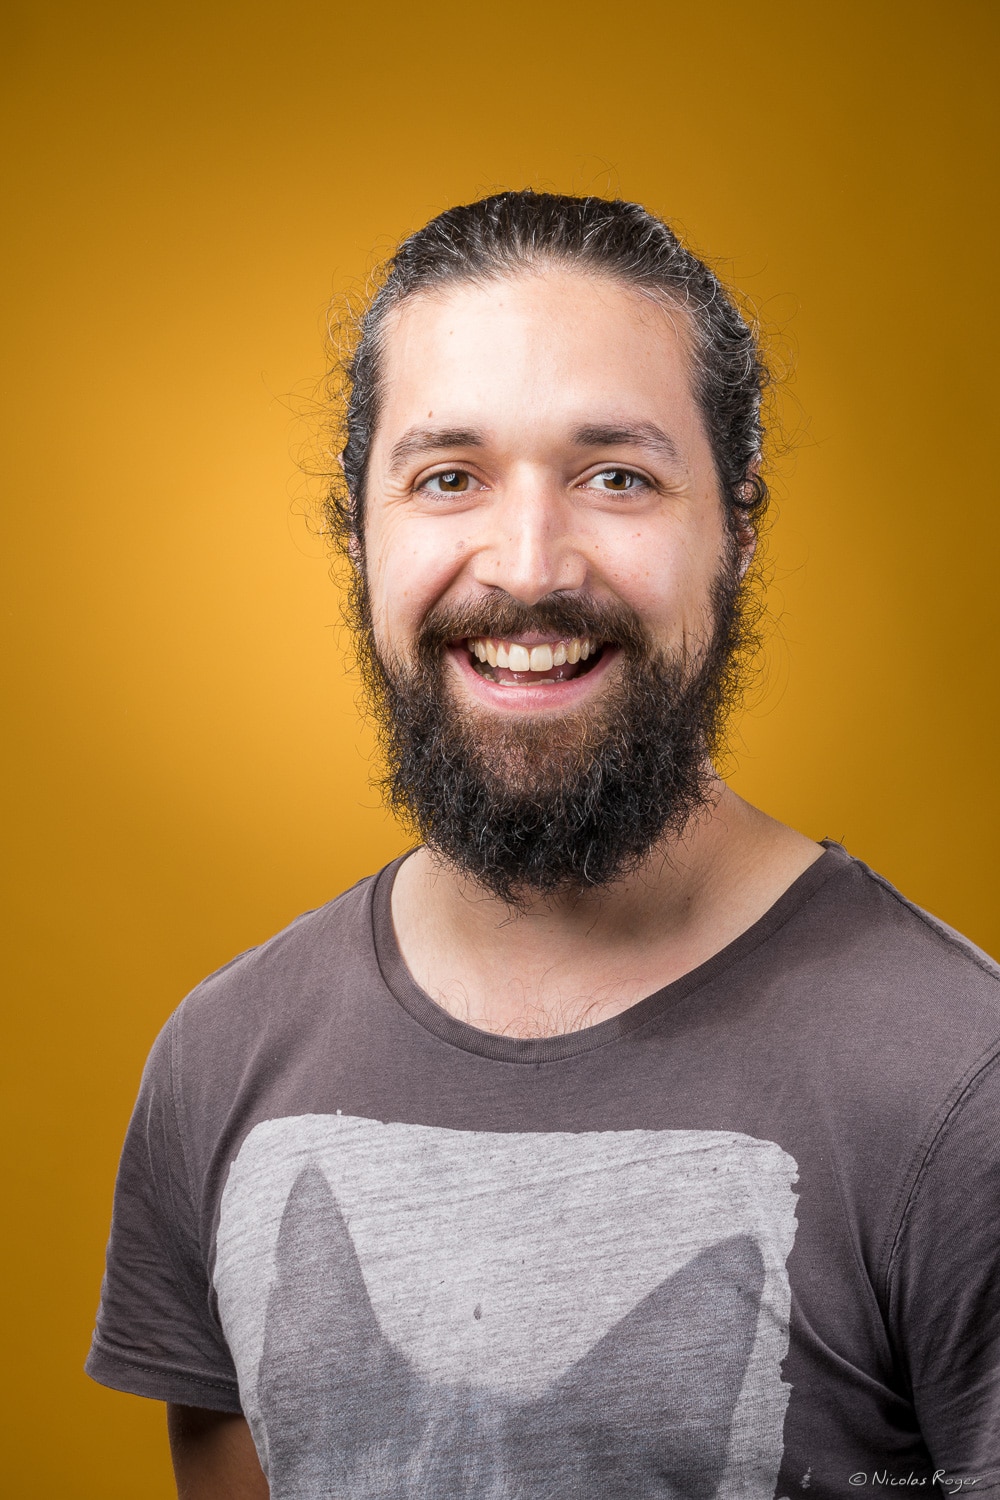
664,574
409,572
646,567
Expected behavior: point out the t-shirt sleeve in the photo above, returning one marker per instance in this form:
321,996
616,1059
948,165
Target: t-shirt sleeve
156,1333
945,1289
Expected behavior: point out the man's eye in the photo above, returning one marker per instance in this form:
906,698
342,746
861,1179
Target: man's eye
451,482
618,481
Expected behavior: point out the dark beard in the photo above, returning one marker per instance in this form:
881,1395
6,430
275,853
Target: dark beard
555,803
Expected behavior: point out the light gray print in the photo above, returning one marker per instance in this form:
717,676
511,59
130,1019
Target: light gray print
476,1316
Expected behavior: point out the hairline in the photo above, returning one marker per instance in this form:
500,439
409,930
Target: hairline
536,264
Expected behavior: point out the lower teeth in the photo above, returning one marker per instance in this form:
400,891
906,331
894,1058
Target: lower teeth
529,679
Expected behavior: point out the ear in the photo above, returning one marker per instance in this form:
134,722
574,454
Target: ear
353,545
746,535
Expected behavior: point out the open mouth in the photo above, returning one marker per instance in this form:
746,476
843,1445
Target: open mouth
520,664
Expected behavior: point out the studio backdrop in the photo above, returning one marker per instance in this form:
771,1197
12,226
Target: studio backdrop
188,187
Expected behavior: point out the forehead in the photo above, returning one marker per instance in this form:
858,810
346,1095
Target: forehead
552,346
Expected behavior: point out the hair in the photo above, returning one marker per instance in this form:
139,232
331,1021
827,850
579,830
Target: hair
512,232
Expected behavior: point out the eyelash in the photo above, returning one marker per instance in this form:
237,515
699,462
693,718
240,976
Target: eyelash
441,473
641,482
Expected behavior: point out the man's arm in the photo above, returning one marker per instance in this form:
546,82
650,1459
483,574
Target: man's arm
214,1456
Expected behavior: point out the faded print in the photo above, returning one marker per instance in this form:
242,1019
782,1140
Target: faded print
416,1311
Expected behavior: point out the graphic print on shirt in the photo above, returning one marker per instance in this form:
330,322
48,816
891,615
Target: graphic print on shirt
599,1316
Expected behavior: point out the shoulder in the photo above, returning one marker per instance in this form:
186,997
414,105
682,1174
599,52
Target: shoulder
867,934
885,1012
319,955
261,1036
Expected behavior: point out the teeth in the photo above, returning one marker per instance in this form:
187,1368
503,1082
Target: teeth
517,658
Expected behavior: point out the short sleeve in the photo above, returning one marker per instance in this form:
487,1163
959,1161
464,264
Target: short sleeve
156,1333
945,1288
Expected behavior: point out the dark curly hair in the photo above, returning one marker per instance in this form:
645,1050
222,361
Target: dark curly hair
509,232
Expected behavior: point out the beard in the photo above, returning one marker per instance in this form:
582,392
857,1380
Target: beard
557,803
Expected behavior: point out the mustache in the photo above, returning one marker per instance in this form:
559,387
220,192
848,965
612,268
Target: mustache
502,616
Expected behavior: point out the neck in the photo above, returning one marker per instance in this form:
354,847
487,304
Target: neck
561,962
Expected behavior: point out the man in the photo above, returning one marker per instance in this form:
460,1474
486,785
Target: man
618,1141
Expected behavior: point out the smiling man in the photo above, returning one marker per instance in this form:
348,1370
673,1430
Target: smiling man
618,1141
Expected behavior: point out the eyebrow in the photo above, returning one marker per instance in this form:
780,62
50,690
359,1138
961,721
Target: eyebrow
424,439
419,440
636,434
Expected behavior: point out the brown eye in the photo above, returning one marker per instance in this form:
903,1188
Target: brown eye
451,482
618,481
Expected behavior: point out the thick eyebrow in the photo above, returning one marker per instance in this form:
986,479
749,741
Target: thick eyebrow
419,440
635,434
425,439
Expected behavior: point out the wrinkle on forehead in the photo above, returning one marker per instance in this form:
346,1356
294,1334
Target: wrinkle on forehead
413,345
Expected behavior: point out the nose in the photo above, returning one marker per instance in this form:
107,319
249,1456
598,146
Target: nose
530,548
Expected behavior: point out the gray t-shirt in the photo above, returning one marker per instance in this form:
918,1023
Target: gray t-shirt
740,1240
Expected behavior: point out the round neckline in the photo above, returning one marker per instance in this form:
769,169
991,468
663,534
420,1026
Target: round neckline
498,1047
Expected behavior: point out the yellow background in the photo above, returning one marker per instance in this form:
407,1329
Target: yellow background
188,186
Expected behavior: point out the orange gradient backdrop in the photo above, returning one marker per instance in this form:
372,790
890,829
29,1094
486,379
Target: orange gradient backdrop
189,184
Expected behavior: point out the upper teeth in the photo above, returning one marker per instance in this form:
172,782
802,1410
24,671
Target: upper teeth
518,658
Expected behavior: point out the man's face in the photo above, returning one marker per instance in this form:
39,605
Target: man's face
546,557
